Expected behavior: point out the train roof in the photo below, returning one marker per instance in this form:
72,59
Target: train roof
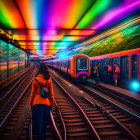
70,57
118,54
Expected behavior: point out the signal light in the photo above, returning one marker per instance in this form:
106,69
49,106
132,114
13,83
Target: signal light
135,85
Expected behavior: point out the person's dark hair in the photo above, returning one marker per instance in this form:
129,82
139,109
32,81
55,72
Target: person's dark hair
43,69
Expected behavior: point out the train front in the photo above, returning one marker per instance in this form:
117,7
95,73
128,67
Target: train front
82,67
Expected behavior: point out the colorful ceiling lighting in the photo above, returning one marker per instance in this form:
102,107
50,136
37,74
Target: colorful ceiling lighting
47,26
106,12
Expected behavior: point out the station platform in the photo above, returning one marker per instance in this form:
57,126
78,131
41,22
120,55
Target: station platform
118,89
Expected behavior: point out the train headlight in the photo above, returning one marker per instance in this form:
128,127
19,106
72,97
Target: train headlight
135,85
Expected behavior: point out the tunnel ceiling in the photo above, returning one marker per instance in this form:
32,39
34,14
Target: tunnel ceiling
47,27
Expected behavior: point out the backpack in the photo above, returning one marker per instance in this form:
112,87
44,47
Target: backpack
109,69
117,69
95,71
44,92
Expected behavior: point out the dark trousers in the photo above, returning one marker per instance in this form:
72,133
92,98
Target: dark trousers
106,77
96,79
40,117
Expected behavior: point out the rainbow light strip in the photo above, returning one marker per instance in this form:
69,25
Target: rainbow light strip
51,15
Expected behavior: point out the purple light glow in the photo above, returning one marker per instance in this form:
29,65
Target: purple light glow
117,13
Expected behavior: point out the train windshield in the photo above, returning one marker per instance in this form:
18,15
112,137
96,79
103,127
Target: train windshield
82,63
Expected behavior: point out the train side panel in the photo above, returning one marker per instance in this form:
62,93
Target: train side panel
139,67
128,62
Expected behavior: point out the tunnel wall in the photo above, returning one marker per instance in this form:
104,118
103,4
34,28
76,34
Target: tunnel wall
12,60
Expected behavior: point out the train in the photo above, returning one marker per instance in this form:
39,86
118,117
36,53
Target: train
77,66
81,66
128,62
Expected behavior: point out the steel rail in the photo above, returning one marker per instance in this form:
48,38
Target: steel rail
120,125
22,76
129,101
130,98
132,115
62,121
31,129
58,136
14,92
3,87
94,133
13,108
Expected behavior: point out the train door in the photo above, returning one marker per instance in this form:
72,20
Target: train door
101,75
107,60
60,65
99,68
117,61
111,74
91,65
124,69
67,66
134,67
94,63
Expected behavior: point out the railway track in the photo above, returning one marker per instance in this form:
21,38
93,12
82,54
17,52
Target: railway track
105,126
11,125
8,102
76,118
13,84
15,115
127,100
76,122
52,132
129,120
13,96
59,121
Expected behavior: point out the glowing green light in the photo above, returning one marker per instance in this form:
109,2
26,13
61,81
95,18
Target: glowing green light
98,7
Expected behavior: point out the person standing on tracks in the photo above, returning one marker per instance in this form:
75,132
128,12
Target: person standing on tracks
106,74
41,106
116,72
96,73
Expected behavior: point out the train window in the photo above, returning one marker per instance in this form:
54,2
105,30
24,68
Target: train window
91,63
69,64
134,67
117,60
82,63
65,64
62,63
99,62
134,63
94,62
107,60
124,67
